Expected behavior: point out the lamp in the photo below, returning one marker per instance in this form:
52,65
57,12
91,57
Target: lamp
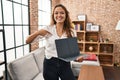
118,25
118,28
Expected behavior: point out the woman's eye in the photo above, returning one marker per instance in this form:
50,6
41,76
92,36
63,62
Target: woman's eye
61,12
56,13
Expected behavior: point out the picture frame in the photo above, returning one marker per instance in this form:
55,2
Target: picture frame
82,17
88,26
95,28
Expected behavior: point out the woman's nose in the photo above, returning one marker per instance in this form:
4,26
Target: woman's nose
59,14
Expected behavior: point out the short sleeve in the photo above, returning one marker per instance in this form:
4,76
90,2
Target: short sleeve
38,38
47,28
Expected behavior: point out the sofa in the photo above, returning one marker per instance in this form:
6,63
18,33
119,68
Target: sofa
28,67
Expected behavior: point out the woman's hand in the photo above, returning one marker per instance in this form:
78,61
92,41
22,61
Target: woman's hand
79,59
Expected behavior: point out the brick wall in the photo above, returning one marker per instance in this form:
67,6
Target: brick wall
105,13
33,20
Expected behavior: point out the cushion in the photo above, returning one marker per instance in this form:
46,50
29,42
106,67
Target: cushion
79,64
90,57
85,62
23,68
39,57
76,71
39,77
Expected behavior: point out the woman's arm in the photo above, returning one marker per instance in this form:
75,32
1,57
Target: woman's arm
31,37
79,59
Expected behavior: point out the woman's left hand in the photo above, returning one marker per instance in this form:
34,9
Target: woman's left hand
79,59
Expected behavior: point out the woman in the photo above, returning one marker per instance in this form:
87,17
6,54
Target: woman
61,27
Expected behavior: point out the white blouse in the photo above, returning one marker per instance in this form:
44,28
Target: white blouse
50,48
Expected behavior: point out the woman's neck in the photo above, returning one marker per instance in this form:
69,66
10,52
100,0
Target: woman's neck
59,26
59,29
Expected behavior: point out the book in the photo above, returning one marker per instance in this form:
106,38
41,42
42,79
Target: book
90,57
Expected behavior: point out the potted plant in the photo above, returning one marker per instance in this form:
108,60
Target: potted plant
106,40
91,40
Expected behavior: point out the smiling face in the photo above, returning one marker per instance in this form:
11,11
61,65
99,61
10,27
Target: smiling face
59,15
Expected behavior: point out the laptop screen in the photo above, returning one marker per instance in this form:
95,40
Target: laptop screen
67,48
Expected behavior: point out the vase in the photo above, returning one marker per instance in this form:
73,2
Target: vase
90,48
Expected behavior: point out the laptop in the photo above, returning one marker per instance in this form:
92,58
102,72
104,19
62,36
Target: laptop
67,49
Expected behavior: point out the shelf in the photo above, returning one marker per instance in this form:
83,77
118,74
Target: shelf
105,64
81,42
106,48
106,54
106,59
79,25
107,43
80,45
80,36
79,31
89,47
92,36
89,43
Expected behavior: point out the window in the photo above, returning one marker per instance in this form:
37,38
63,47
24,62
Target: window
14,20
44,13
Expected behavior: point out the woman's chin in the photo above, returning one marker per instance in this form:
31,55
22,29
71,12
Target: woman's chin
60,22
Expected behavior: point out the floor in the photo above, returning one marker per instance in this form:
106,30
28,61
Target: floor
111,73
